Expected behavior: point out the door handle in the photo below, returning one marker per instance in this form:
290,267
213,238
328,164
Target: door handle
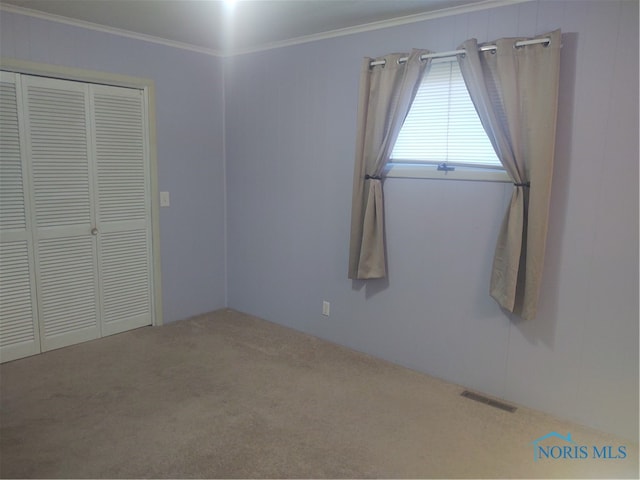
94,231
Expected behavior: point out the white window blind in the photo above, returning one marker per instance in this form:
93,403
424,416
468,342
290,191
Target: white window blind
442,124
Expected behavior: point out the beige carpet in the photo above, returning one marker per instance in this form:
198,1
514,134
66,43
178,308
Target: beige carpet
229,395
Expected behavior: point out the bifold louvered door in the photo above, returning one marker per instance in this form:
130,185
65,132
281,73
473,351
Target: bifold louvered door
87,213
57,126
18,310
124,209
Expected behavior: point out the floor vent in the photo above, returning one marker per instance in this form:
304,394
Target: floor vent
488,401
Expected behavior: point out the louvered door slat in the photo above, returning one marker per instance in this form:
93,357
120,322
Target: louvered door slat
126,284
59,149
57,114
19,334
67,291
17,315
12,207
123,208
120,156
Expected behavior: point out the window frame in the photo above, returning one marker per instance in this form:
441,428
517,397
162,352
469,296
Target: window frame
430,171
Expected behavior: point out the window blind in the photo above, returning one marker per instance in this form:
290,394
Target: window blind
442,124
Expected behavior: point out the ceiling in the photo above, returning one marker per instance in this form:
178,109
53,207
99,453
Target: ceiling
245,25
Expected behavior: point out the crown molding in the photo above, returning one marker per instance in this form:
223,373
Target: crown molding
103,28
393,22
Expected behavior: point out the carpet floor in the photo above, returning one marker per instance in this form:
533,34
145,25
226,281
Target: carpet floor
227,395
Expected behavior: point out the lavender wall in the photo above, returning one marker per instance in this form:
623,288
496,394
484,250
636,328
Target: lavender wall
290,133
189,124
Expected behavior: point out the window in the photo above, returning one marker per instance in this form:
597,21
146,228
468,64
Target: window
442,136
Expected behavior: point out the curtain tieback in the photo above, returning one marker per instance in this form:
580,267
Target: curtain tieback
525,184
372,177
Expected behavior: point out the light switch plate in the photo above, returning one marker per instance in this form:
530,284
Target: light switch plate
164,199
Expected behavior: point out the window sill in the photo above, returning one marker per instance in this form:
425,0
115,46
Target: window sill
460,173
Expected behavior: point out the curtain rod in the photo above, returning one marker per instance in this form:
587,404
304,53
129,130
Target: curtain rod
453,53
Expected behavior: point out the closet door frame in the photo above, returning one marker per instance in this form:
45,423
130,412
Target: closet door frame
148,88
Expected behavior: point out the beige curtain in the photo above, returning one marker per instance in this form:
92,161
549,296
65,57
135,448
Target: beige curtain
515,91
386,94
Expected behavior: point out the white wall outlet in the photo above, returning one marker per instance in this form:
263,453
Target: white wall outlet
326,308
164,199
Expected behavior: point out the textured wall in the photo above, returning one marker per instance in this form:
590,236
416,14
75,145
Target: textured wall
189,126
290,132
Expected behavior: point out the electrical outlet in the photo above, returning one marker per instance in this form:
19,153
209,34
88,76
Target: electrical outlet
164,199
326,308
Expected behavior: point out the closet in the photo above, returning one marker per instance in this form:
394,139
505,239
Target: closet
75,213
